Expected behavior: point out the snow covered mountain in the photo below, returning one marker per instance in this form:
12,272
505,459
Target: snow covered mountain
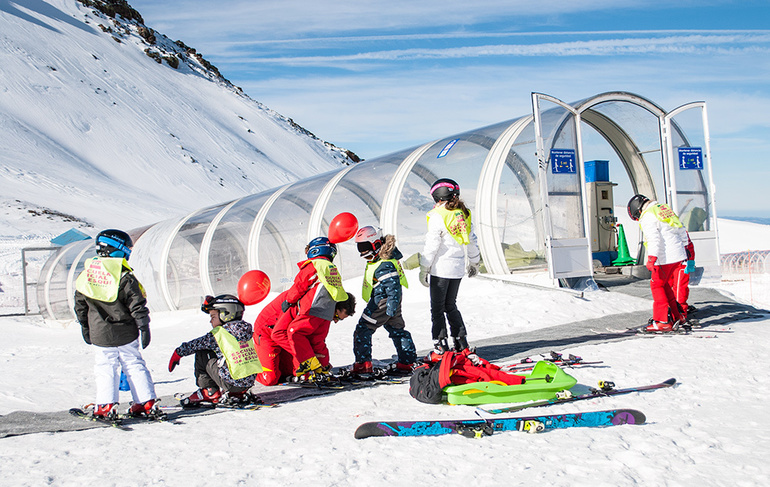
98,110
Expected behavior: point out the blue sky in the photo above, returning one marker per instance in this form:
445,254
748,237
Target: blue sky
377,77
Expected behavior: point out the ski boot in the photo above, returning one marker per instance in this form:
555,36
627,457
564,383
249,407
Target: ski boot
657,327
440,346
233,398
398,369
150,410
208,395
362,371
106,411
459,344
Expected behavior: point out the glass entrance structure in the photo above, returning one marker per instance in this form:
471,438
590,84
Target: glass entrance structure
524,179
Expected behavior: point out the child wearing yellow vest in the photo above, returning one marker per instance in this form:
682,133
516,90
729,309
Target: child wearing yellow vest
226,361
383,279
111,307
449,243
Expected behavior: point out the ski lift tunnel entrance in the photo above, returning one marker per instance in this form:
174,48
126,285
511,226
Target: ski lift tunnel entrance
524,179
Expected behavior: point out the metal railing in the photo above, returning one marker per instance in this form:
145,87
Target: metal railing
747,262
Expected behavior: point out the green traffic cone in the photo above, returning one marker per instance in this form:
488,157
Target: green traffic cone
624,258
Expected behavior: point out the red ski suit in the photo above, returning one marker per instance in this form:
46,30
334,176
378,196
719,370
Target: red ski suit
303,335
277,363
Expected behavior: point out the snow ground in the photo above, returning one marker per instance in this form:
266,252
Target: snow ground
688,437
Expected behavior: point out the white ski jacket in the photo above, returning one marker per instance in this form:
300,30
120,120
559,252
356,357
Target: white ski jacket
664,241
442,255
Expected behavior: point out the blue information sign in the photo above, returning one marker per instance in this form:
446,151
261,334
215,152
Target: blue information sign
563,161
690,158
446,149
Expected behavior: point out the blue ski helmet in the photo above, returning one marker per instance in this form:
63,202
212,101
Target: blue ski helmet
114,243
321,247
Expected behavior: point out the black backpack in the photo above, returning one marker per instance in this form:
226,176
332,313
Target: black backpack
425,385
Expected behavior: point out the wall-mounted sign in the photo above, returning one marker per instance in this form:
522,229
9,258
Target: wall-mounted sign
690,158
563,161
447,148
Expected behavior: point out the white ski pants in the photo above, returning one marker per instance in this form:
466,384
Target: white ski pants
109,361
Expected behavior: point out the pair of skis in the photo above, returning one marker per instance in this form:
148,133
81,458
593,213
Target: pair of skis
483,427
118,421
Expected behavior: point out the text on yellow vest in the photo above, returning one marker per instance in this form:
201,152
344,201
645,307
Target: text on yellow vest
457,223
241,357
371,267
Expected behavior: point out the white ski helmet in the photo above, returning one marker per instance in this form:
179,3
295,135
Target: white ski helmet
369,241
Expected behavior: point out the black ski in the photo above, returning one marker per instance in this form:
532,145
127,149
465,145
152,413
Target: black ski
605,389
116,422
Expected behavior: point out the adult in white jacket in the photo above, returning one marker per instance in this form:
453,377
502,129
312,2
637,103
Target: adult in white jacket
666,239
449,242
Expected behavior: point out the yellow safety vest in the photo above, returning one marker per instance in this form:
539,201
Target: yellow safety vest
100,280
241,357
371,267
457,224
664,214
330,277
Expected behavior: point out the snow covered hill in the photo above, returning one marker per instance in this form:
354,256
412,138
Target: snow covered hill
98,110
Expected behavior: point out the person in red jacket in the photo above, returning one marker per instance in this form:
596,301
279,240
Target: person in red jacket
307,308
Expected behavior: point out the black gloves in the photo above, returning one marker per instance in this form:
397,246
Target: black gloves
286,305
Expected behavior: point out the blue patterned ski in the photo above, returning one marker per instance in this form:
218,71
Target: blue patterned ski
475,428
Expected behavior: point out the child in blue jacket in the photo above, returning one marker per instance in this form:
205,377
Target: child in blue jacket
383,280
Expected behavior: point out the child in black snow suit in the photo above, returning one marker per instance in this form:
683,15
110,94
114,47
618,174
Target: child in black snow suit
383,280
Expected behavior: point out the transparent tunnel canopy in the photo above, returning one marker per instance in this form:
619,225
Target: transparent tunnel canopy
228,254
519,207
284,233
502,181
361,192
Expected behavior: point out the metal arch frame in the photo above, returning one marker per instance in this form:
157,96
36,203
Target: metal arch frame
47,285
163,271
668,121
553,243
487,194
319,208
389,215
71,280
203,259
256,226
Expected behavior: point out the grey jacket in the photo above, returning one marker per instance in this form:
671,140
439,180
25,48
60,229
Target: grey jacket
116,323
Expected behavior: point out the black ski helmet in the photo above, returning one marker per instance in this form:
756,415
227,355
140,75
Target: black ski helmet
444,189
114,243
635,205
230,308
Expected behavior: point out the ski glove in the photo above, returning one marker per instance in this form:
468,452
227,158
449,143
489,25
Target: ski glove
651,262
424,276
473,269
690,267
286,305
145,337
175,358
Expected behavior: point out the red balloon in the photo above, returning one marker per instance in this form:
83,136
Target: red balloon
343,227
253,287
